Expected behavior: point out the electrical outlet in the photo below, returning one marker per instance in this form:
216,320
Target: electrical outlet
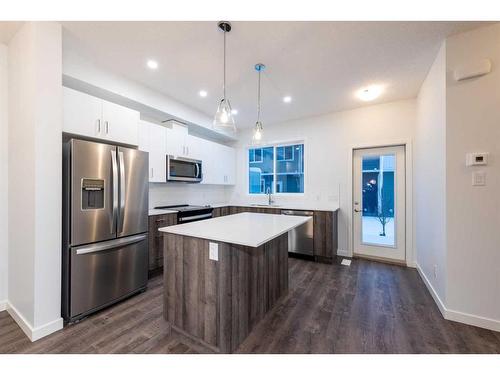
213,251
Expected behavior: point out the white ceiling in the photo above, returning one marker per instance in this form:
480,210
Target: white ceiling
320,64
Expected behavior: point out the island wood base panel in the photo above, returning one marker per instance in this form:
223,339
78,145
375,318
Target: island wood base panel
219,302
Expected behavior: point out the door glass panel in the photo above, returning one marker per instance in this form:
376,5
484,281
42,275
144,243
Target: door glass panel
378,195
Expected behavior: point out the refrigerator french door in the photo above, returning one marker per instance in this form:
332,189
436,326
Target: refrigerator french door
105,215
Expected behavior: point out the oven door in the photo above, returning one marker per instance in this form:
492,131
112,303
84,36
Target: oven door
183,169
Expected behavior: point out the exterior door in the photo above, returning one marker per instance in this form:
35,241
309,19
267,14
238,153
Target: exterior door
133,191
379,203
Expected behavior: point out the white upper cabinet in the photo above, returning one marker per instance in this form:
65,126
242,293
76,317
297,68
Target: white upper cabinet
219,164
89,116
153,139
82,113
120,123
177,138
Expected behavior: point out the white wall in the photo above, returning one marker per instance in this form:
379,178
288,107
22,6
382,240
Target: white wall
3,175
328,142
473,213
35,126
430,176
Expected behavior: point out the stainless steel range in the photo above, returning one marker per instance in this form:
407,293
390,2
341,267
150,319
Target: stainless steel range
105,225
187,213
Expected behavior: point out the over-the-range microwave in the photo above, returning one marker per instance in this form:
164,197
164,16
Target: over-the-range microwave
184,169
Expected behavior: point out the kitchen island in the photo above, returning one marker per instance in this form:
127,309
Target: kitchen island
222,275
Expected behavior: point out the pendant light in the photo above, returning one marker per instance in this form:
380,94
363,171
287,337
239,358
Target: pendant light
223,119
258,129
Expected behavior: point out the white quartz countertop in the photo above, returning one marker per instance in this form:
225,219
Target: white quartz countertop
155,211
247,229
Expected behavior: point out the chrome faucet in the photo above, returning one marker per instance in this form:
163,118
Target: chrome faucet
269,196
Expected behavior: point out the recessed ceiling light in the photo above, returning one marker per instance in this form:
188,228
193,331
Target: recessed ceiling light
234,111
287,99
203,93
152,64
370,93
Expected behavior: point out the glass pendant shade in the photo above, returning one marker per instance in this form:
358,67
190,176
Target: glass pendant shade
257,133
224,119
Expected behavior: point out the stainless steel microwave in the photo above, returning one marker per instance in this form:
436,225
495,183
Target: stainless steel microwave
184,169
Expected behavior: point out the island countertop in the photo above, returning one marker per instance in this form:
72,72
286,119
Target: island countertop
247,229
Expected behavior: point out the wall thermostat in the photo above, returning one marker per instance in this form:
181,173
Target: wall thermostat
476,158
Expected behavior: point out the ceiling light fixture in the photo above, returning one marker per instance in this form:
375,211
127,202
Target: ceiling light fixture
258,129
370,93
223,119
152,64
203,93
287,99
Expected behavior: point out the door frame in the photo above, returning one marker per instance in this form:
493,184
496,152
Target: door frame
409,243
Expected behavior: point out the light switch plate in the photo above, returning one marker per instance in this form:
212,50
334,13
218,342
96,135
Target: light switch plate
479,178
213,251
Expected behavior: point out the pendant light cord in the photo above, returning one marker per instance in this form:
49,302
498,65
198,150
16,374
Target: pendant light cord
224,79
258,99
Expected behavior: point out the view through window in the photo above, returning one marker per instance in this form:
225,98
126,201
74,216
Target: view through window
278,169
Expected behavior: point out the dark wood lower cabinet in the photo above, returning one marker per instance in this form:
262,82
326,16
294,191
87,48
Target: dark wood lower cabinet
325,235
220,211
217,303
156,240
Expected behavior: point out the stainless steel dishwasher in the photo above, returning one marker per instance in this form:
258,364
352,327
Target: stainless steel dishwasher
301,239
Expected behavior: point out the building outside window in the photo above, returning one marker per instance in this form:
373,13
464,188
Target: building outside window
279,169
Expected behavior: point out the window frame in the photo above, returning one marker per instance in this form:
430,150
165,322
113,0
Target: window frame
275,145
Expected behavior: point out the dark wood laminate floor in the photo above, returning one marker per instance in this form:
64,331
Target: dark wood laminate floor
366,308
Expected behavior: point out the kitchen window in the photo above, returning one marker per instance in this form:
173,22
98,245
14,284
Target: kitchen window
279,169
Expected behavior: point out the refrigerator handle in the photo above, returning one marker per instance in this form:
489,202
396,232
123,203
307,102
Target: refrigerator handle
122,192
114,166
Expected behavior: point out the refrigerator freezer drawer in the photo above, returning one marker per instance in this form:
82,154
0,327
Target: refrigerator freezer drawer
104,273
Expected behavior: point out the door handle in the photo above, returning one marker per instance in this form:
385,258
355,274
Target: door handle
356,210
107,127
120,242
122,192
98,126
114,167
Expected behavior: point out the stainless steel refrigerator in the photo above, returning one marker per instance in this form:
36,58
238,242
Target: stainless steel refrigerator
105,224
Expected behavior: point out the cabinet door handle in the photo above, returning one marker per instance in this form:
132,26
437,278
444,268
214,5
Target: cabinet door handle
187,148
107,127
98,126
152,173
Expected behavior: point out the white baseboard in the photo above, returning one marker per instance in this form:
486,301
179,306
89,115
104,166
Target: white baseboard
434,294
34,333
458,316
3,305
473,320
343,253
